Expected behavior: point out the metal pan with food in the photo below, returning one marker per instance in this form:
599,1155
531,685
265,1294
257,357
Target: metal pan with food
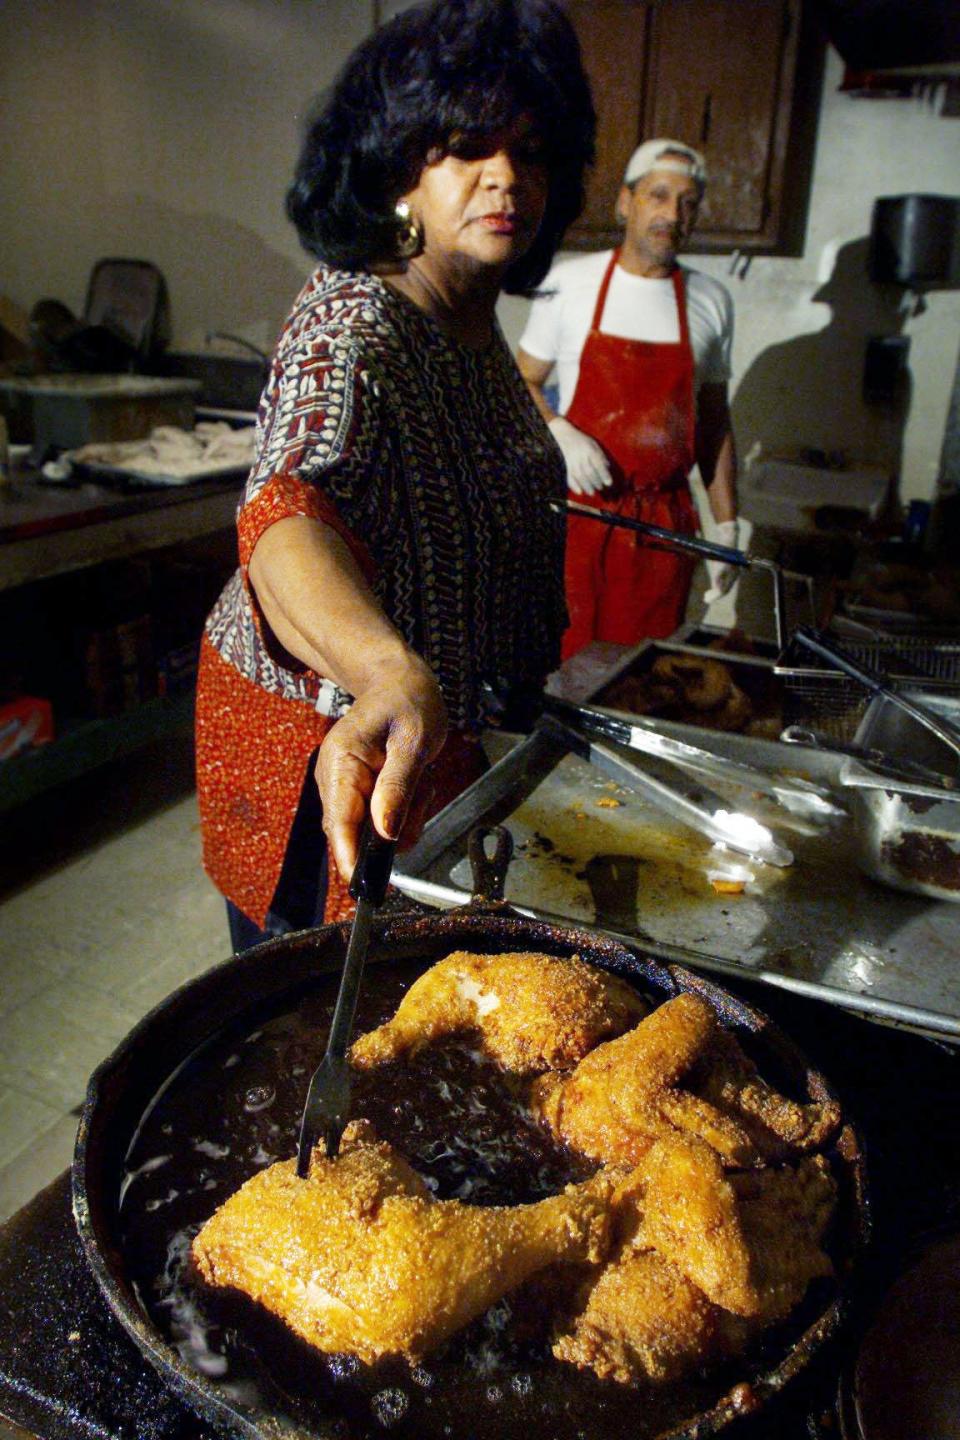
736,695
907,830
196,1113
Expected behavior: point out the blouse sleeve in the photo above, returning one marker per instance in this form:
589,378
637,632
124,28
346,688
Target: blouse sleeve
319,443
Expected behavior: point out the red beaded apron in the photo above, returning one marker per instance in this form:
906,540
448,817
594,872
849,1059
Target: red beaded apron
635,397
252,752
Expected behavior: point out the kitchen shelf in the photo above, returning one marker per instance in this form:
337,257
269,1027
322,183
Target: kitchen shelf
87,744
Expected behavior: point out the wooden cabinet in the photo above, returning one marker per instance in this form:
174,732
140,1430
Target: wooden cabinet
737,79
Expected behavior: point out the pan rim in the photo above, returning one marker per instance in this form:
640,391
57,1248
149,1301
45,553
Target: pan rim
491,920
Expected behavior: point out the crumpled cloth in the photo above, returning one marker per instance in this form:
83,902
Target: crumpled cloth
168,450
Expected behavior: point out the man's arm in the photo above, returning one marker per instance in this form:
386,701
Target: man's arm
716,451
535,373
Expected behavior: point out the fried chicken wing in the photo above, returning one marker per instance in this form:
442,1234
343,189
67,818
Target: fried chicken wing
703,1262
690,1216
531,1012
360,1257
659,1078
777,1125
638,1318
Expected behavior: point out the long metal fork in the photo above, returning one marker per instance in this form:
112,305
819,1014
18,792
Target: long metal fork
327,1109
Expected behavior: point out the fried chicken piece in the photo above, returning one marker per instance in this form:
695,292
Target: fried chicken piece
778,1126
734,712
689,1215
752,1241
360,1258
532,1012
701,684
785,1215
657,1079
625,1094
638,1318
703,1263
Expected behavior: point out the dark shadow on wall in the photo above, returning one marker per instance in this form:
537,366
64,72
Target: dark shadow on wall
807,394
220,273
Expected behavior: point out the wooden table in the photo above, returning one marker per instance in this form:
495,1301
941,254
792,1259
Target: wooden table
47,529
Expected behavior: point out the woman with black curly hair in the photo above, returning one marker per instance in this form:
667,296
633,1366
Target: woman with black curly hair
401,570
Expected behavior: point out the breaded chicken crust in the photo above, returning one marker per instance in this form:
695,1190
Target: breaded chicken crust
531,1012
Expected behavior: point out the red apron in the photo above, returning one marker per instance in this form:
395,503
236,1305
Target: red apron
635,397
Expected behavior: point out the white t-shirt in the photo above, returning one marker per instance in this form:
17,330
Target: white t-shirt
636,308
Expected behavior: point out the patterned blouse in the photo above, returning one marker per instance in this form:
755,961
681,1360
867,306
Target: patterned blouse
432,461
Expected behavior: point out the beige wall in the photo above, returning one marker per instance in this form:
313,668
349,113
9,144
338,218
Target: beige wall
164,130
167,130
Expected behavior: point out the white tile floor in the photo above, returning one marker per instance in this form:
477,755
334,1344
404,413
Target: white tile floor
104,909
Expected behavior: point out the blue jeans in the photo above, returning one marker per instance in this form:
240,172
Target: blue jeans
299,899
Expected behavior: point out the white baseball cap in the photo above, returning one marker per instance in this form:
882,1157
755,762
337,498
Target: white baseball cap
680,158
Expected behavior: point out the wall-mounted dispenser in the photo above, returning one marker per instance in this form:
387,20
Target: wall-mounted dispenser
915,241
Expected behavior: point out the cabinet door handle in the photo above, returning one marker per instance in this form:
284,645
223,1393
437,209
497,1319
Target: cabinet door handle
706,119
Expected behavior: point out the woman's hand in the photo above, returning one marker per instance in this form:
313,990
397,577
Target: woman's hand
377,756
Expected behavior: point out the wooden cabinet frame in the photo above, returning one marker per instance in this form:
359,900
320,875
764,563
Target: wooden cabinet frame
629,97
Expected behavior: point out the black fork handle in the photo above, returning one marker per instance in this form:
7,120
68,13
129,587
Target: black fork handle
705,548
695,546
371,876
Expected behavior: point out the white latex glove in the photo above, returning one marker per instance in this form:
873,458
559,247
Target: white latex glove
722,577
588,469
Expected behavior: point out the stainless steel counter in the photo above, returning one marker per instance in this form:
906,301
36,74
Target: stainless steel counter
593,852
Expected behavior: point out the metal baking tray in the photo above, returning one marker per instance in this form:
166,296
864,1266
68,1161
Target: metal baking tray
908,834
820,928
754,674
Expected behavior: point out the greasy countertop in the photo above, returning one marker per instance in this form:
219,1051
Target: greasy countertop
29,506
590,851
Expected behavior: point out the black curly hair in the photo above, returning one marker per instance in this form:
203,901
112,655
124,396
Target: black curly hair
439,79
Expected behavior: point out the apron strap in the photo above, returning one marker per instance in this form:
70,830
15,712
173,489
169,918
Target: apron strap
680,291
602,294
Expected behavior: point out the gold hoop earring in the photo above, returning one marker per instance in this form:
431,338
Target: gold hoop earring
409,232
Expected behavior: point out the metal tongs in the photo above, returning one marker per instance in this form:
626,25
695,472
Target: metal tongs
706,549
795,794
693,805
899,767
327,1109
879,685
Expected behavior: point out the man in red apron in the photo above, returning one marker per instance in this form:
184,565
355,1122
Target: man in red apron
642,350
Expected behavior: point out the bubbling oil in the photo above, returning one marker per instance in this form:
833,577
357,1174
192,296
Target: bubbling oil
235,1108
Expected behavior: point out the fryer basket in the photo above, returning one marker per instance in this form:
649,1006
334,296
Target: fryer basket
821,698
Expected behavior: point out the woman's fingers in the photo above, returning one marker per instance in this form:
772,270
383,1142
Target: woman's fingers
375,758
345,782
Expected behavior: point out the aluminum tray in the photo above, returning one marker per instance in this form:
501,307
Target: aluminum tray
908,834
819,928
